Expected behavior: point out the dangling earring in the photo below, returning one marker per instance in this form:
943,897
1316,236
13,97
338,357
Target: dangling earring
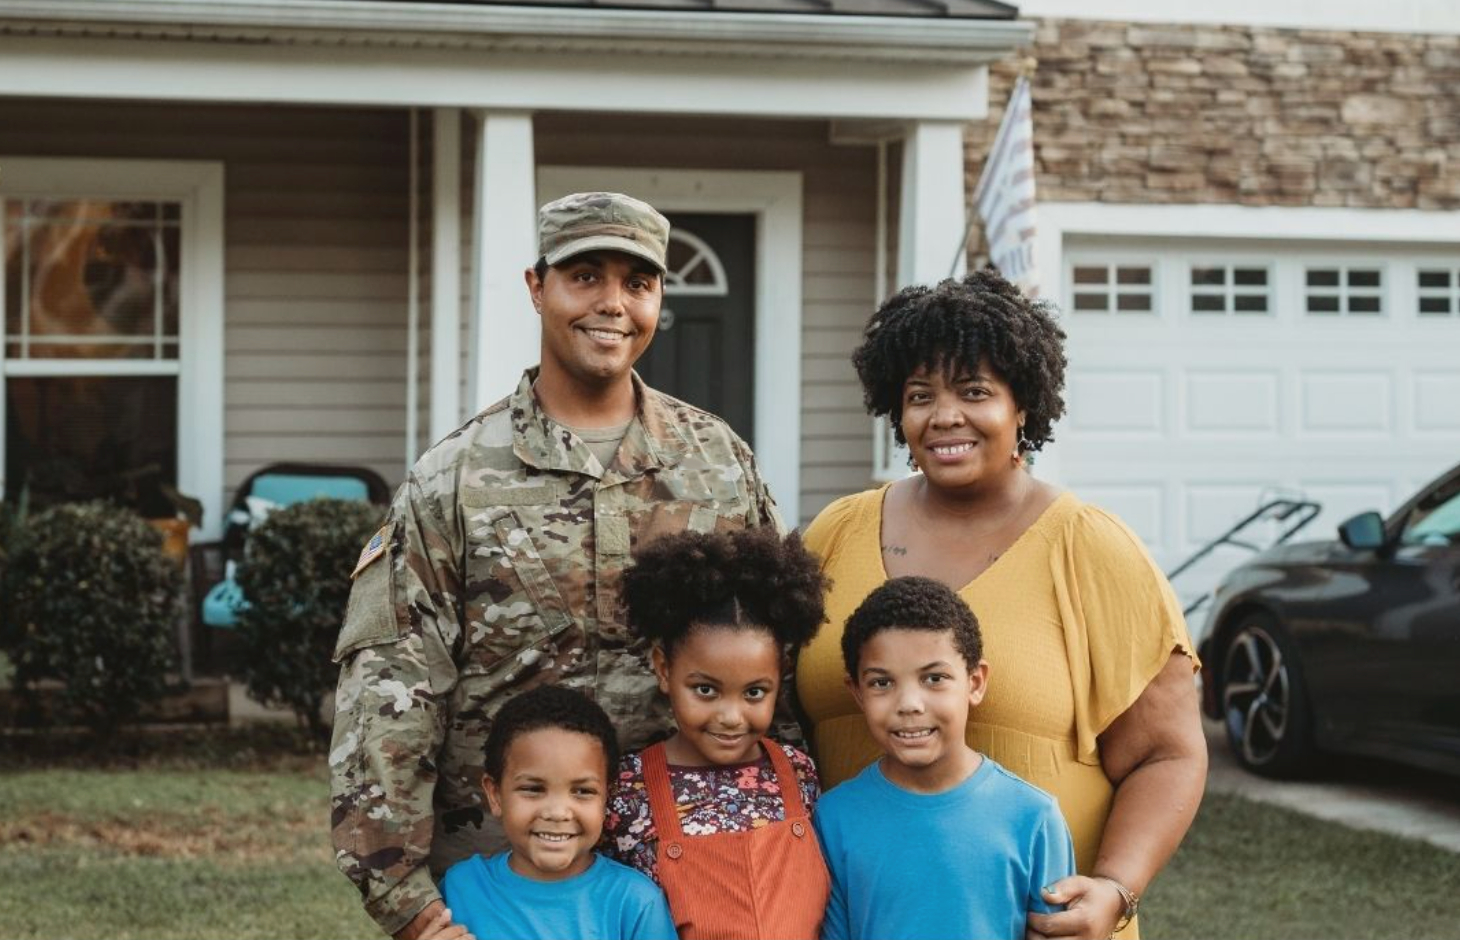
1022,448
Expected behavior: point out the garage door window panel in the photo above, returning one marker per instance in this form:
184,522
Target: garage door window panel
1120,288
1437,291
1219,289
1343,291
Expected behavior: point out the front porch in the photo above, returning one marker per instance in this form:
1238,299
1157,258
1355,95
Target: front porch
378,205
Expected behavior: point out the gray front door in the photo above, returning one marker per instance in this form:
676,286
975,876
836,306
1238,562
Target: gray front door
703,352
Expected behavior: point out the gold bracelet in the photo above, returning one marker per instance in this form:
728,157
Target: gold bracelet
1131,899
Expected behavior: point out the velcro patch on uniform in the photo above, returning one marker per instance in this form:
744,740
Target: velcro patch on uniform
373,549
487,498
612,533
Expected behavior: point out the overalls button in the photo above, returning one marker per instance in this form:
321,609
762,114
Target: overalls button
674,851
798,829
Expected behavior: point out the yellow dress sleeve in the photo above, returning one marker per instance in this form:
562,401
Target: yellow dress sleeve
1121,620
824,535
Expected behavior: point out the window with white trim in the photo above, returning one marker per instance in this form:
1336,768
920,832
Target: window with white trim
1341,290
1217,288
91,348
1122,288
1254,281
694,269
1437,292
111,361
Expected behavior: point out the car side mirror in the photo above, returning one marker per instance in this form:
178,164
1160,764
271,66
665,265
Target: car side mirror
1364,531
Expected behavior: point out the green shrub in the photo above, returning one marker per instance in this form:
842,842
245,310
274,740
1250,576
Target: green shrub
91,601
295,576
12,530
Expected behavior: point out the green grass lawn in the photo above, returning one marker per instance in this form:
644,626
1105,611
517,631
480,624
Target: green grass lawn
1256,871
162,848
171,853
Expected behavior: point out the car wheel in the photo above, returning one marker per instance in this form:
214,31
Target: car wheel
1264,704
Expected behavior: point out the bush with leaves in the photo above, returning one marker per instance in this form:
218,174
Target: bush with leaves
12,530
90,600
295,575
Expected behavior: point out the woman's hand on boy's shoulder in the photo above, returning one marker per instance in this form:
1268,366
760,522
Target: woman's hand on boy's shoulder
440,926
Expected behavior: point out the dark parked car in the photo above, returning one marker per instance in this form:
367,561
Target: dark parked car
1350,645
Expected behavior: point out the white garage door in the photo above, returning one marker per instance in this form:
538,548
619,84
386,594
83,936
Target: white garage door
1205,376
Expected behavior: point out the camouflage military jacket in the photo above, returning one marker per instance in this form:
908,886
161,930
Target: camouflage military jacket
499,569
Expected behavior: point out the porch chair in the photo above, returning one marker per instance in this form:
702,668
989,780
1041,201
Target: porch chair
272,487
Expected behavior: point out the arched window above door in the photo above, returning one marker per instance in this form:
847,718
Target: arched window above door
694,267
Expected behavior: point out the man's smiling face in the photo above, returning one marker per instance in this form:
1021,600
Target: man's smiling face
599,311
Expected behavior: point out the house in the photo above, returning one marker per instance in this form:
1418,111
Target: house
301,225
1249,214
258,230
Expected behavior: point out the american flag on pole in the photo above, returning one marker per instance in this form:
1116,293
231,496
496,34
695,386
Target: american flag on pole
1005,194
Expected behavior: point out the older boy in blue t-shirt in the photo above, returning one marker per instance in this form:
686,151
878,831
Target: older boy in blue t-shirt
934,840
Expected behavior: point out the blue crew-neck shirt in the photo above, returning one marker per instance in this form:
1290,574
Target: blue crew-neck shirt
609,901
965,863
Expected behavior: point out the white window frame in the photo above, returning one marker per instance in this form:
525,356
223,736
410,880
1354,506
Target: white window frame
1111,288
674,283
1451,293
1344,293
198,189
1230,290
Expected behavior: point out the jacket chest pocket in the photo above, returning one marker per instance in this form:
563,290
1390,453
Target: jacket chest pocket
514,605
695,501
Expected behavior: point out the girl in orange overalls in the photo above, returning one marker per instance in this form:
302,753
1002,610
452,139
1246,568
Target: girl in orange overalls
719,814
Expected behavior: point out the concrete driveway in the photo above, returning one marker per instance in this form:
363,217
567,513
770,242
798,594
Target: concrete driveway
1365,794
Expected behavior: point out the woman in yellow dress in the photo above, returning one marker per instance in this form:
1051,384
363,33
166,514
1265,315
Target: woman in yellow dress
1091,695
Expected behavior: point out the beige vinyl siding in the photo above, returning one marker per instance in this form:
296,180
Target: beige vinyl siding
840,187
316,235
315,227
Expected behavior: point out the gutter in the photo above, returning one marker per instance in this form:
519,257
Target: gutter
929,40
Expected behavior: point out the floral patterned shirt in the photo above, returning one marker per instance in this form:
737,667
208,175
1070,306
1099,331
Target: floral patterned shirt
718,798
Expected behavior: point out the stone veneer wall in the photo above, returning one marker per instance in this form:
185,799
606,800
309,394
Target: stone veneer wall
1139,113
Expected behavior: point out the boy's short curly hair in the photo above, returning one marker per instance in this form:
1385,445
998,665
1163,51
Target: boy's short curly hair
956,325
912,603
742,578
548,706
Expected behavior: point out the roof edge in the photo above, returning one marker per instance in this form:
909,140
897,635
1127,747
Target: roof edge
868,37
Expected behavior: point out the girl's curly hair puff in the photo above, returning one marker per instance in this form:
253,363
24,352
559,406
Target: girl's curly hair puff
955,325
749,578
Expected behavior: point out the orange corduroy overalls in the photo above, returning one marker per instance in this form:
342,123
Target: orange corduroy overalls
769,882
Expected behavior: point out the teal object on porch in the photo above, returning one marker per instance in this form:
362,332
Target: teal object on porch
224,600
288,489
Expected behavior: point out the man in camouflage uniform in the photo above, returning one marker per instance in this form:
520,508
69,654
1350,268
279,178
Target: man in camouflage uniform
500,563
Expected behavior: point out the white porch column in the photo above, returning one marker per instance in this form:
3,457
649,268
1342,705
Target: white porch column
504,326
930,231
445,272
931,226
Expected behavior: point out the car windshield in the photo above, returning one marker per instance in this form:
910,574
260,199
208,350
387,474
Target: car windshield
1436,521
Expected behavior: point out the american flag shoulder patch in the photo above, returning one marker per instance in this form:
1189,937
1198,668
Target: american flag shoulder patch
373,549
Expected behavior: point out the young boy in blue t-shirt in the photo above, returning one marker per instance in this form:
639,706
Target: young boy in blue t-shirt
935,839
548,763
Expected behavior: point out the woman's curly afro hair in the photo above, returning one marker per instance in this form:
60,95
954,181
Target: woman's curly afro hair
743,578
955,326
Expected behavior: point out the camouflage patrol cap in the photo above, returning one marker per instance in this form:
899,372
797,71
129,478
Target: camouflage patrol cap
601,221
